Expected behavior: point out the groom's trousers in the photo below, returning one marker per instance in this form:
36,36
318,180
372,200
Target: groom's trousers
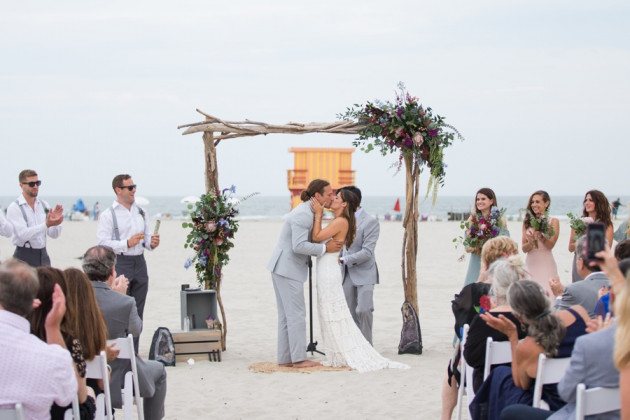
360,301
291,319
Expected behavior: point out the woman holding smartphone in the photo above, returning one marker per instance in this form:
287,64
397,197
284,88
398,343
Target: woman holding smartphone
597,208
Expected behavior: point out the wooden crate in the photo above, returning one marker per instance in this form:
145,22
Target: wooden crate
198,345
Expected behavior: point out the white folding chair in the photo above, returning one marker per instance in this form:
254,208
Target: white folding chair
12,413
131,388
497,353
97,369
466,376
596,401
549,371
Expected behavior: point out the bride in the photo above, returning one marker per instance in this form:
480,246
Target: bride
343,342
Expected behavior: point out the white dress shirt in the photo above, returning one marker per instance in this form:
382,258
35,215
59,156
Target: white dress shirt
34,373
34,232
130,222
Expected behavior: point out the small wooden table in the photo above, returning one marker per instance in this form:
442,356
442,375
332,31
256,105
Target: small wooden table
198,344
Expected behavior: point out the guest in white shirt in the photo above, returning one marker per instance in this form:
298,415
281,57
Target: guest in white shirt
125,229
32,220
34,373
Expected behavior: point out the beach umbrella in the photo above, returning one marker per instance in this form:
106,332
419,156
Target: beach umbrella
190,199
141,201
397,205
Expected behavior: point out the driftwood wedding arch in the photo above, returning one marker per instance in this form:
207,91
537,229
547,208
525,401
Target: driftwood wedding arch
216,130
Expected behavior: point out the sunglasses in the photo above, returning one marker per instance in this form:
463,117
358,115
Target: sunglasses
32,183
129,187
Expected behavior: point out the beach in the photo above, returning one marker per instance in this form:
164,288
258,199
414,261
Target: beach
228,389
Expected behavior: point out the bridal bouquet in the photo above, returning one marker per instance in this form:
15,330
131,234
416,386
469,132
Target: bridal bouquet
478,229
541,224
212,227
578,224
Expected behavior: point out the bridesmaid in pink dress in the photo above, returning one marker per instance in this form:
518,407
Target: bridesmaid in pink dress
540,262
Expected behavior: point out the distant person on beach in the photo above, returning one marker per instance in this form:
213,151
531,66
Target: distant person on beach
615,207
485,200
595,209
360,272
96,211
540,234
124,228
289,270
32,220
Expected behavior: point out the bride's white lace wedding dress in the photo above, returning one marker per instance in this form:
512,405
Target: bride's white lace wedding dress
343,342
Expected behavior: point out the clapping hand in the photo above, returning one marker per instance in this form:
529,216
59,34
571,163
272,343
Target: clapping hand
598,323
120,284
58,309
54,216
155,241
500,323
556,286
135,239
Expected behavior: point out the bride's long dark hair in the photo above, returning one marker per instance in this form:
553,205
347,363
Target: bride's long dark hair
352,202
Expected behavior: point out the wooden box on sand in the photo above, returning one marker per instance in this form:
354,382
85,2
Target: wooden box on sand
198,344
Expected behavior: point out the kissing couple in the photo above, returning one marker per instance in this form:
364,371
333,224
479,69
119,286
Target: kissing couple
345,276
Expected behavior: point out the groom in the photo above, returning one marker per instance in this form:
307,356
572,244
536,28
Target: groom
289,270
360,272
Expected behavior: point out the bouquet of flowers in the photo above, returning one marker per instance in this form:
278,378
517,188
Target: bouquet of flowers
478,229
405,127
541,224
484,304
578,224
213,225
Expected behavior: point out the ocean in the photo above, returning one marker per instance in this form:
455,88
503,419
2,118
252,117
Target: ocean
274,207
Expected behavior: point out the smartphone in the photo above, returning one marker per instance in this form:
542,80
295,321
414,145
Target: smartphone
595,240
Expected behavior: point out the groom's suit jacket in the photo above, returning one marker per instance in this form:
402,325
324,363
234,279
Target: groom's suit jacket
290,256
359,259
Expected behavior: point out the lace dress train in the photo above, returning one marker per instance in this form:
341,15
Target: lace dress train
343,342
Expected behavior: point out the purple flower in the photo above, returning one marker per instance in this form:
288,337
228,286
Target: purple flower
399,111
223,222
408,142
433,132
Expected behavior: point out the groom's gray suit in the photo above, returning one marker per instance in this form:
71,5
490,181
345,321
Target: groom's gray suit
360,272
289,271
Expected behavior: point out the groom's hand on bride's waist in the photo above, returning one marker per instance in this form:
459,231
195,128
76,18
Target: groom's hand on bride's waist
333,245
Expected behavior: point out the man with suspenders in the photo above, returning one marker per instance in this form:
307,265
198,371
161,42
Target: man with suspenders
125,229
32,220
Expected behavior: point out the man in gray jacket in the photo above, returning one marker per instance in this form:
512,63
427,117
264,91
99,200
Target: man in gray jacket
360,272
121,317
289,271
583,292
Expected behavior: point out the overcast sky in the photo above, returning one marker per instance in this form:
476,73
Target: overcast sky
89,89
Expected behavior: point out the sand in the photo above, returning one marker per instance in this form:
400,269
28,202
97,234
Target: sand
230,390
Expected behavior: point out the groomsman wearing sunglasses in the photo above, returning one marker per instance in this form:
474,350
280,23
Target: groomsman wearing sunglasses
32,220
124,228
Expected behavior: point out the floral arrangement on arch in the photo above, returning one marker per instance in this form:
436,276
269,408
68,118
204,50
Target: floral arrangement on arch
212,225
479,229
578,224
405,127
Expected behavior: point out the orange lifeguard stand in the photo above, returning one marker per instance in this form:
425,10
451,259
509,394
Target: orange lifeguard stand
309,163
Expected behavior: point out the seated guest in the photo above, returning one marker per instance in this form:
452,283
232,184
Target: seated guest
34,373
49,278
502,274
88,325
121,317
592,364
551,333
584,292
463,307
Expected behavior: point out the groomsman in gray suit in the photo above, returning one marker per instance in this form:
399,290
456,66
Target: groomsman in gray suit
360,272
289,271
